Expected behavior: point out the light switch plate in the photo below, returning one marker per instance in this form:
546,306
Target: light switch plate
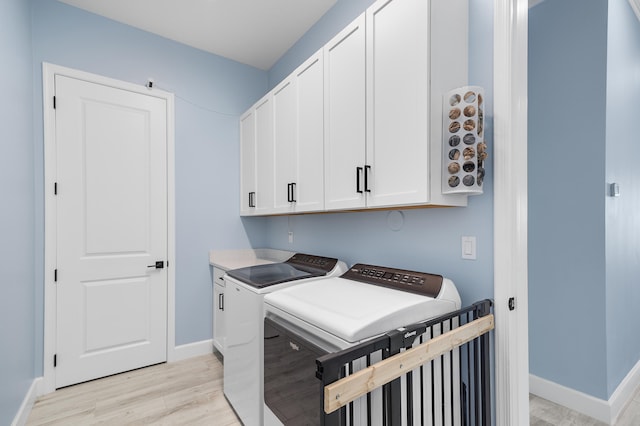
468,247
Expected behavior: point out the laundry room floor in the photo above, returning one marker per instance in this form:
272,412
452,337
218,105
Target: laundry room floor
547,413
185,392
190,392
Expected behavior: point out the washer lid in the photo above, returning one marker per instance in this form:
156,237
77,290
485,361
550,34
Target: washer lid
298,267
355,311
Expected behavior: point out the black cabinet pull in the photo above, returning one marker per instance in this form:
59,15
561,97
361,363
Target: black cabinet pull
221,301
289,192
367,170
293,192
358,172
252,199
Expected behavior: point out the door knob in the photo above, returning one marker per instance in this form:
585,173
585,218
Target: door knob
158,265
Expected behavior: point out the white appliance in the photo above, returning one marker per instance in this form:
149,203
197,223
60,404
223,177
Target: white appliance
307,321
244,293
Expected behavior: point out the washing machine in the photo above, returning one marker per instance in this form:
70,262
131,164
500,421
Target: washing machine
244,294
305,322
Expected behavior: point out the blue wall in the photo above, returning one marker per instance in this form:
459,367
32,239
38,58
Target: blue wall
567,75
621,213
584,251
430,238
210,92
17,329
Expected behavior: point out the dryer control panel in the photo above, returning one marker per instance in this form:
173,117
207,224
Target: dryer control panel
399,279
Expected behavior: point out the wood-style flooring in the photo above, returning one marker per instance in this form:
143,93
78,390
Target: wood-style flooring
181,393
547,413
190,393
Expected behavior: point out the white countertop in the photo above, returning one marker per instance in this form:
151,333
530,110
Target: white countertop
234,259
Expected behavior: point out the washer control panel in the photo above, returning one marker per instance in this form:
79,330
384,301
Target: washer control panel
302,260
399,279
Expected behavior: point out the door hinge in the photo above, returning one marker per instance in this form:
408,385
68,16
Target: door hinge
512,303
54,102
55,275
55,360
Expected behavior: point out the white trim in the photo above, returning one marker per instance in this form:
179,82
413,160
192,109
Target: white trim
35,390
510,212
570,398
48,88
624,393
605,411
190,350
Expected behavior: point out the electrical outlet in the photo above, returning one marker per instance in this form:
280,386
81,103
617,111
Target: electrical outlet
290,237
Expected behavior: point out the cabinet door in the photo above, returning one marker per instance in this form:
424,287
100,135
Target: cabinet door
219,334
264,199
247,162
285,144
345,90
308,190
397,102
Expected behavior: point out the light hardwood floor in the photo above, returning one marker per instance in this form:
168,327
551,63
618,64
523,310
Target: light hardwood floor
190,393
182,393
547,413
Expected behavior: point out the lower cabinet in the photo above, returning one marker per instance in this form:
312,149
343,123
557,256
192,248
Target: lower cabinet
219,334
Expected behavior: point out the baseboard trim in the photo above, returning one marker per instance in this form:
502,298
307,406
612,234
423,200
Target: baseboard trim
599,409
191,350
35,390
624,393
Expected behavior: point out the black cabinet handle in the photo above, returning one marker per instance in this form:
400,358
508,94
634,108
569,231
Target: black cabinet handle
221,301
367,170
293,192
358,172
289,192
252,199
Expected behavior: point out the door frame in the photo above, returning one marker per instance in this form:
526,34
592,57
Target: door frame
510,212
49,71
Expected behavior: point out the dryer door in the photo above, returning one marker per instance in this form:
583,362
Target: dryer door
291,390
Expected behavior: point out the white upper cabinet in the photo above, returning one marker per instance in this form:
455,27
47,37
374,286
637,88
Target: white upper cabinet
344,118
247,163
308,189
398,103
264,197
298,139
285,117
359,124
256,159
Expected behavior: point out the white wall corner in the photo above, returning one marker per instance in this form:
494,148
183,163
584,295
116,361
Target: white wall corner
191,350
605,411
35,390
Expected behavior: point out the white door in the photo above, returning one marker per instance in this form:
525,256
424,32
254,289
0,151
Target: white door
111,230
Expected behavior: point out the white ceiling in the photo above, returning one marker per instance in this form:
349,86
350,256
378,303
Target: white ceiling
254,32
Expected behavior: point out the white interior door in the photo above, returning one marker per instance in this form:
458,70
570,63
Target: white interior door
111,227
